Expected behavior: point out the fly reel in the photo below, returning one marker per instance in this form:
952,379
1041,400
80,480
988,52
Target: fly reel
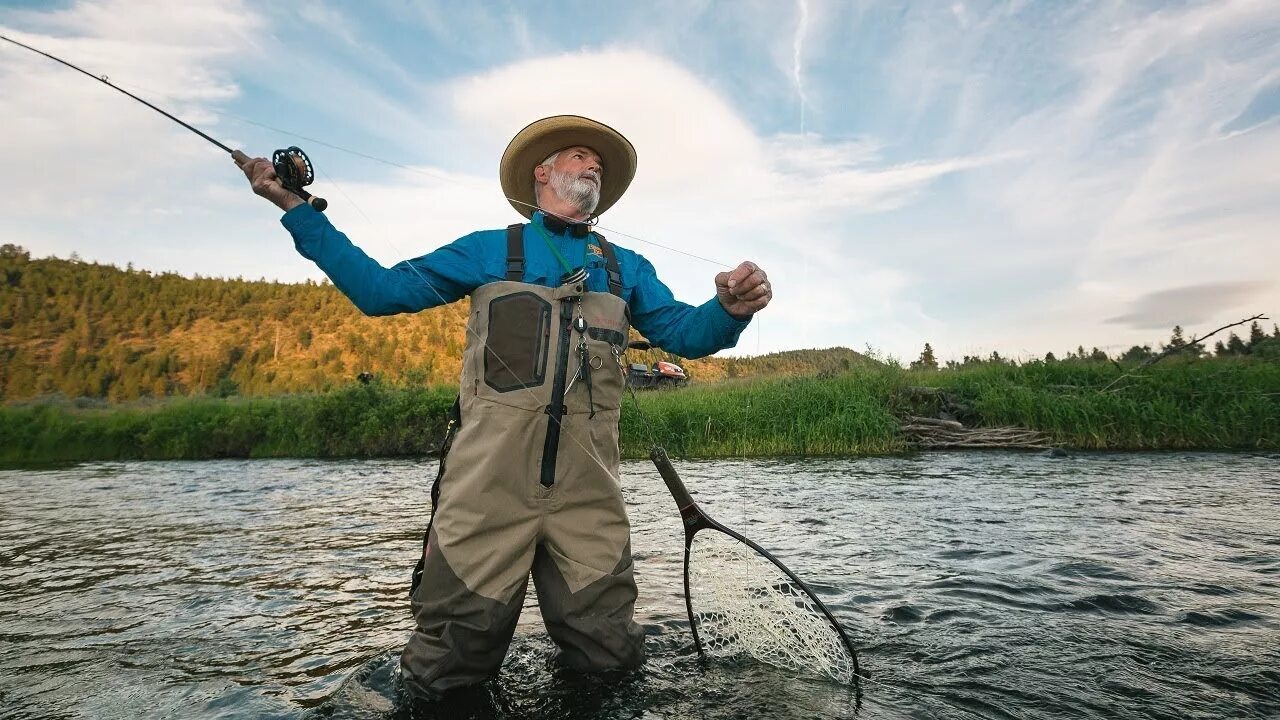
295,171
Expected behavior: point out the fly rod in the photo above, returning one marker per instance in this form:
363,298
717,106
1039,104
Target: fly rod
291,164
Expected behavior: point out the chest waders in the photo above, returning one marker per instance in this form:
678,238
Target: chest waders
531,483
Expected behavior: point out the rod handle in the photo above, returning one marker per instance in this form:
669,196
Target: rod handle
678,491
318,203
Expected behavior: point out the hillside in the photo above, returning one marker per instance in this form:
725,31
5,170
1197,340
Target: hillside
89,330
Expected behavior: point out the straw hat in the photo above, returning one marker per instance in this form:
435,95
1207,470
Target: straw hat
540,139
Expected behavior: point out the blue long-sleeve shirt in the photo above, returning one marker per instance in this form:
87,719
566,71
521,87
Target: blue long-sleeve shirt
452,272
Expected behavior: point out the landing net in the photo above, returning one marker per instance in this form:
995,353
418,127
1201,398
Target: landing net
744,604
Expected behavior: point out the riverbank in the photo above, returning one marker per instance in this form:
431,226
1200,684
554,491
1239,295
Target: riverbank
1202,405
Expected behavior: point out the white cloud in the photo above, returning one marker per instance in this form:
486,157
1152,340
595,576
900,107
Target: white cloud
97,171
1118,183
707,183
1008,179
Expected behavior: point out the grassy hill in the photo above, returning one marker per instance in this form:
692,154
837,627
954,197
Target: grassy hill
86,330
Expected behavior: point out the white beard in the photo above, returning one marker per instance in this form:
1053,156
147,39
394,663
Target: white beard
578,192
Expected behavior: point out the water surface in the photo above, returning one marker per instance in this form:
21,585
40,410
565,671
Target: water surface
975,584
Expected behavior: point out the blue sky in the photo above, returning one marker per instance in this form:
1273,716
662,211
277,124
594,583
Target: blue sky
1012,176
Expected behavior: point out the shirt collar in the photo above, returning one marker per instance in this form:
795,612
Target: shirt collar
559,227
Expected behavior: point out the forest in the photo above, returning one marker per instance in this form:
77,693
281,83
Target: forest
72,329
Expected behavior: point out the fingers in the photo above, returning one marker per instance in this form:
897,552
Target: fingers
258,170
751,285
754,306
262,177
762,290
741,273
745,290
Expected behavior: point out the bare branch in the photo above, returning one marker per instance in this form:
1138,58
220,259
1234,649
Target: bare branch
1174,349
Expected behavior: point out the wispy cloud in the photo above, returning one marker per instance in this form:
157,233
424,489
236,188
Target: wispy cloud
797,66
1163,309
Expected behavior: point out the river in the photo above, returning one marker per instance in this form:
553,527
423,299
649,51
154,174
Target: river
1000,585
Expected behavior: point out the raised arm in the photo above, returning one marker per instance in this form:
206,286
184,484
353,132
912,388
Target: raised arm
677,327
437,278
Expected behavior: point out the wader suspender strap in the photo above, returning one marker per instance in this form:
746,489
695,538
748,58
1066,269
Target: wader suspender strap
515,252
455,421
611,266
515,258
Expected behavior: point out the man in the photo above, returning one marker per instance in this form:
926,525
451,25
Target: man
531,481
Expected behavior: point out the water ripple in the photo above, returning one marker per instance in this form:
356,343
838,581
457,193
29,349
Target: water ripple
976,584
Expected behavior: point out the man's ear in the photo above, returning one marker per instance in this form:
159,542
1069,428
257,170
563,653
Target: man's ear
541,174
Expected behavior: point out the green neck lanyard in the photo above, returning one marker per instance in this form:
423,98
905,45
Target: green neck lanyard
551,245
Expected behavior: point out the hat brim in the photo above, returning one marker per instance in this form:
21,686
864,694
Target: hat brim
540,139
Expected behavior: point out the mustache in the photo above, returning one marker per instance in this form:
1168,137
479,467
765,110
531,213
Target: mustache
591,175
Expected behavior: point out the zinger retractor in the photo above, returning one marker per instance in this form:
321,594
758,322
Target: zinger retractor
295,171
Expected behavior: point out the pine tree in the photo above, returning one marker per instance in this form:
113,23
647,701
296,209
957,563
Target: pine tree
1137,353
1236,346
1256,335
927,360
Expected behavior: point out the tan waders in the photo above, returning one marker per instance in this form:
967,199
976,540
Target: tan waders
531,483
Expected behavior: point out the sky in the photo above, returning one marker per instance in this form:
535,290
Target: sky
1014,176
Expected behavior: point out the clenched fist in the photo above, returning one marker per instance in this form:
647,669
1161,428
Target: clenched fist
745,291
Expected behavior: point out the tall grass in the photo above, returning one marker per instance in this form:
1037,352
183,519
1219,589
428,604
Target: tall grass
1197,404
355,421
844,415
1209,405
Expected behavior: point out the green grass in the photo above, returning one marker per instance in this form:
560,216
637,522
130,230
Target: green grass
1200,404
356,421
844,415
1219,404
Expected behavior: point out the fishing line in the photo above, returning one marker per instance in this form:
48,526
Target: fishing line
296,162
294,169
291,164
461,183
240,157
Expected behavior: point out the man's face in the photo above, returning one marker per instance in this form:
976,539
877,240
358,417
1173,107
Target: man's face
580,162
575,177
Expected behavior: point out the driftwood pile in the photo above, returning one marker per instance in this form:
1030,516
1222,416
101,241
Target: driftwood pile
930,419
936,434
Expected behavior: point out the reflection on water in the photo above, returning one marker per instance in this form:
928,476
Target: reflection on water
981,584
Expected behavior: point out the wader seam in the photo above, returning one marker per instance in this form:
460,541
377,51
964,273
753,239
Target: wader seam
455,422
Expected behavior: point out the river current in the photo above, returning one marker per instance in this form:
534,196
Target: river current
997,585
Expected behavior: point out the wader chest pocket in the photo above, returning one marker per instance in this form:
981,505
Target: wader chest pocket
515,349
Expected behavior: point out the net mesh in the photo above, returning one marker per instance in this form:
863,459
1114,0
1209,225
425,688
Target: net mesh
743,604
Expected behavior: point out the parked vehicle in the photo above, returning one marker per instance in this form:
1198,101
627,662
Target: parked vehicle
661,375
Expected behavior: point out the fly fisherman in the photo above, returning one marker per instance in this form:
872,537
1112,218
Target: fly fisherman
532,478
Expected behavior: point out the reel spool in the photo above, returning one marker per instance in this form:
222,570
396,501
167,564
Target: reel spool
295,171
